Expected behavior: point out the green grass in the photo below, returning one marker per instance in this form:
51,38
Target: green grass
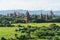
8,32
36,24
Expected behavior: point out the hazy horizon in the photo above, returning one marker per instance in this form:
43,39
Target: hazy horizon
30,4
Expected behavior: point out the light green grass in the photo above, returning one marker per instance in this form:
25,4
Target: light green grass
36,24
9,32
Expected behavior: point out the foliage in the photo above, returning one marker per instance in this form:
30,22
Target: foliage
32,32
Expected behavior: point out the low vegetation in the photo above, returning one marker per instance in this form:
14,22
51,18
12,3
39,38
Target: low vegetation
30,32
16,28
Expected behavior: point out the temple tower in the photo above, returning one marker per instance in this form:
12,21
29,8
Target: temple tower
41,16
47,17
27,17
51,14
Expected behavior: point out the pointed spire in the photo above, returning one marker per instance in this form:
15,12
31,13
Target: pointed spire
27,17
51,14
27,13
41,16
47,17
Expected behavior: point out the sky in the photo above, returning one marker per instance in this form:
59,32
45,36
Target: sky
30,4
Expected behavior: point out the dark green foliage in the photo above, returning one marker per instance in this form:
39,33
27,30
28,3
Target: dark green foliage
38,21
34,33
23,37
19,26
20,19
16,35
43,32
3,38
16,30
56,38
54,27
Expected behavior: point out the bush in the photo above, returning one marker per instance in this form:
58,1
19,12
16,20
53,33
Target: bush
54,27
23,37
19,26
3,38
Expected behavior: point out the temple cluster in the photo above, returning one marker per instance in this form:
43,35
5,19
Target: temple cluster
47,17
13,14
27,16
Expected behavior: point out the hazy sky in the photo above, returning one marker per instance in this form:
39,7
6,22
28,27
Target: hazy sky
30,4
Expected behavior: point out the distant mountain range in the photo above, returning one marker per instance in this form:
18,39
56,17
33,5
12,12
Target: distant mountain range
4,12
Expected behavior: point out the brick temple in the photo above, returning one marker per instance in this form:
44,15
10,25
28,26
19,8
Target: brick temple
27,17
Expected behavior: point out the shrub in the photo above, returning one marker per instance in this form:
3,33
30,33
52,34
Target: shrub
3,38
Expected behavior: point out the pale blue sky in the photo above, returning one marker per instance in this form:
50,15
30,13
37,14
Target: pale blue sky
30,4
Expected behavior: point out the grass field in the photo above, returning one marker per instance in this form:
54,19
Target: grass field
36,24
9,32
